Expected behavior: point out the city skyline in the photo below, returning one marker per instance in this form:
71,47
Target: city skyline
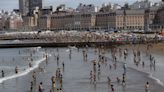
9,5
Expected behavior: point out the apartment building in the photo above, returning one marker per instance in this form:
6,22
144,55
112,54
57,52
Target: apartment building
105,20
130,19
121,19
73,21
44,22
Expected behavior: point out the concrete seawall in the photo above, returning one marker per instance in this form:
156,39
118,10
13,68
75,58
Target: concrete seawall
78,44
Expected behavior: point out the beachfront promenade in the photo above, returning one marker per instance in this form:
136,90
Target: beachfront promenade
73,38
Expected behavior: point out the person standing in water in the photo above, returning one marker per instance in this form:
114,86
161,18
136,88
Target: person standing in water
99,72
61,81
34,77
31,87
53,79
143,64
154,64
16,69
94,71
63,65
57,58
118,80
91,76
30,64
124,67
60,90
109,80
123,79
40,87
112,88
3,74
147,87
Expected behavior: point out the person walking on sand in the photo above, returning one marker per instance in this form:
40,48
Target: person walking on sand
147,87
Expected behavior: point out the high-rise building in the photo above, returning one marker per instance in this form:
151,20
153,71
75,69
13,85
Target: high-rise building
24,7
33,4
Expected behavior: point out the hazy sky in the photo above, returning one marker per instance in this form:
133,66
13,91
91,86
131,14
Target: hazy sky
13,4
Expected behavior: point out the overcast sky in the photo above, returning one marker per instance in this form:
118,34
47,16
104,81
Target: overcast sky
13,4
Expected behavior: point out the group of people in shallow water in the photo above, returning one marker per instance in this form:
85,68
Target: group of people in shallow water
95,72
3,73
102,59
56,80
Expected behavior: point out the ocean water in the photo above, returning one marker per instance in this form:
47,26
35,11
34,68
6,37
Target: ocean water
76,73
21,57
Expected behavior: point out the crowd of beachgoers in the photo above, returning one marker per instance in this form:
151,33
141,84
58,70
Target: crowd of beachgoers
79,36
